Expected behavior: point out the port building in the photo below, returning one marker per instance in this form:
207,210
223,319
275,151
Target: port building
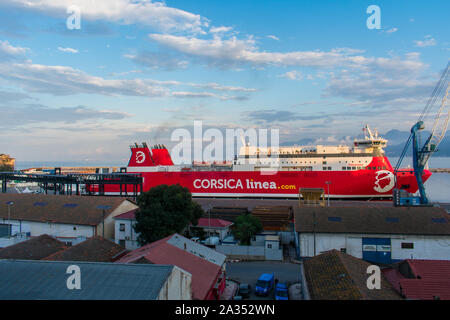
376,234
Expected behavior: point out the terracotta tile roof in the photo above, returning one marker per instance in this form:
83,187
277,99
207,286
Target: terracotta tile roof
204,273
394,220
130,215
94,249
421,279
334,275
33,249
214,222
79,210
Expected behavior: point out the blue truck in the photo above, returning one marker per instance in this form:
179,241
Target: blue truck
281,291
265,284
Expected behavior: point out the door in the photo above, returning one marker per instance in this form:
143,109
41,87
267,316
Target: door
377,250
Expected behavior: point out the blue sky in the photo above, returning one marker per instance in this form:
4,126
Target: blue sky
136,70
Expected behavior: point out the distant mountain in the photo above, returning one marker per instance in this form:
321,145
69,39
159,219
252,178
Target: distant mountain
397,140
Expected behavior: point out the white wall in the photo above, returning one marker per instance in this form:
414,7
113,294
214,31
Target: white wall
425,247
53,229
177,286
130,244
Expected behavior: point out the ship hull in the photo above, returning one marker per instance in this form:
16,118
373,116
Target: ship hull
374,182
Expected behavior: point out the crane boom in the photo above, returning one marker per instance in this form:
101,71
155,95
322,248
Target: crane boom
421,154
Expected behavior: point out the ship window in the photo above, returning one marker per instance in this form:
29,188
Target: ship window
391,219
329,168
324,168
324,162
344,168
349,168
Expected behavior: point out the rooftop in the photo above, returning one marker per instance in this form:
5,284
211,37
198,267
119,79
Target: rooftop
46,280
334,275
379,220
203,263
94,249
79,210
214,223
33,249
421,279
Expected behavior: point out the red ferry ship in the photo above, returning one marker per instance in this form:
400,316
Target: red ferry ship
359,171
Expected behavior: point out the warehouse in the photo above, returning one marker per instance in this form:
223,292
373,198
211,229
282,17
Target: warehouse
379,235
68,218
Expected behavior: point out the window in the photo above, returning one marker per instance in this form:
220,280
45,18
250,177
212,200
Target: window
335,219
122,243
269,246
122,227
344,168
407,245
391,219
324,162
324,168
74,228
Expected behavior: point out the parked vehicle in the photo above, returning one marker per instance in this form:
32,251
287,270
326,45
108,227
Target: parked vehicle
244,290
281,291
265,284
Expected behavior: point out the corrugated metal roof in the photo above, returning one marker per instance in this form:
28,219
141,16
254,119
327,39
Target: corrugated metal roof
417,221
47,280
197,249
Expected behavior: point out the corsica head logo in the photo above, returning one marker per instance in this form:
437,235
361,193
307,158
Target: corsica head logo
384,181
140,157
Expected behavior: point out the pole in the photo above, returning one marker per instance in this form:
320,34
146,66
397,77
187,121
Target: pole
9,220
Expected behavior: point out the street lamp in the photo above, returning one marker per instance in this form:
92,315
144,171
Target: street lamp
328,192
10,204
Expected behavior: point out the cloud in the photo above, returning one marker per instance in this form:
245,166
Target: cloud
62,80
273,115
37,113
220,29
190,94
70,50
292,75
384,82
427,42
235,51
273,37
9,52
8,96
157,60
218,87
144,12
392,30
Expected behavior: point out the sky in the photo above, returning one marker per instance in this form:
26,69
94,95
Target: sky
136,70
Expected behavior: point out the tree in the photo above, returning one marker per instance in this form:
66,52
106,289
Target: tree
165,210
245,227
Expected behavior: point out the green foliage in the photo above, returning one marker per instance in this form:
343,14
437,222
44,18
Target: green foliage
245,227
4,168
165,210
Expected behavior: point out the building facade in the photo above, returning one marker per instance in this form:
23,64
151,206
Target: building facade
380,235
